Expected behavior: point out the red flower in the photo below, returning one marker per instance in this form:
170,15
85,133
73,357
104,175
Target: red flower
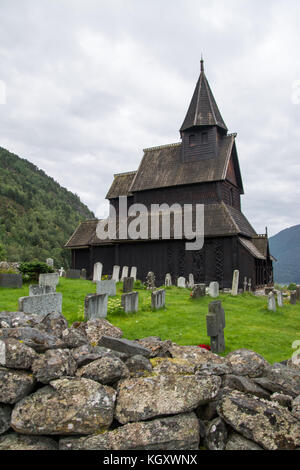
204,346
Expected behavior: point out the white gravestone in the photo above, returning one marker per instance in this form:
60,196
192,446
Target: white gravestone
133,272
49,279
124,272
107,287
116,273
271,302
279,299
191,281
235,282
97,271
181,282
168,280
213,289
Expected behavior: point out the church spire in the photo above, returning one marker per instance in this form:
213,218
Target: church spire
203,109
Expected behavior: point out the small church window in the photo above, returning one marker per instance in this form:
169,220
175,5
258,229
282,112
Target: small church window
204,137
192,140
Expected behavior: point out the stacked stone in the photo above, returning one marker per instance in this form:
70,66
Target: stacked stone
61,388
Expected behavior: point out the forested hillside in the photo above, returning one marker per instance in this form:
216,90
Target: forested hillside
285,246
37,215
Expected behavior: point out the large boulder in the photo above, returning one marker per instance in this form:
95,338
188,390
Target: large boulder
170,366
15,441
216,435
14,385
38,340
246,362
138,365
18,319
55,363
238,442
296,407
157,347
195,355
243,384
179,432
264,422
96,328
66,406
5,414
73,339
147,397
54,323
281,379
106,370
16,355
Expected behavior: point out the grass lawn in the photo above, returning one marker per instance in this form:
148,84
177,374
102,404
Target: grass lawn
248,322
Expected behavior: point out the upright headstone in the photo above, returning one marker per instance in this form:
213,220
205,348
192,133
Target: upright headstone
116,273
49,279
181,282
128,284
150,280
245,284
293,298
107,287
61,272
271,302
249,285
199,290
73,274
133,272
124,272
191,281
130,302
298,292
50,262
97,275
83,274
235,282
215,324
41,304
11,280
36,289
168,280
95,306
279,299
213,289
158,299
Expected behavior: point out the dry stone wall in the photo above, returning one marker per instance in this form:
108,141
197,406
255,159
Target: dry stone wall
87,388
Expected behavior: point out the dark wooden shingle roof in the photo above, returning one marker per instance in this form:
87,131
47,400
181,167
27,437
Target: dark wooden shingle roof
121,185
163,167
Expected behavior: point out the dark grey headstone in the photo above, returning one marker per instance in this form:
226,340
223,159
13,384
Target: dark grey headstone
41,304
124,345
215,324
293,298
130,302
158,299
199,290
128,284
73,273
95,306
11,280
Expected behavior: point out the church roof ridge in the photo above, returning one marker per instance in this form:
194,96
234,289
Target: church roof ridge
159,147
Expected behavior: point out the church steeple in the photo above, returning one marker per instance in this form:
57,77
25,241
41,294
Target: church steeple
203,109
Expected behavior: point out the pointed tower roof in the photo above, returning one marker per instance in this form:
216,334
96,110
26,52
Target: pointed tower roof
203,109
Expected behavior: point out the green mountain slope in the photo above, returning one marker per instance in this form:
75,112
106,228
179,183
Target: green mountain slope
37,215
285,246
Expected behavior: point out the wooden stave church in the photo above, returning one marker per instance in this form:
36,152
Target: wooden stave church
203,168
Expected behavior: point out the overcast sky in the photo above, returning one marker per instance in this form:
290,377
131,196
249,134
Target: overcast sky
90,83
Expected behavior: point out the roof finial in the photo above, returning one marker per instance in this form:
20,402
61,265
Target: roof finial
202,64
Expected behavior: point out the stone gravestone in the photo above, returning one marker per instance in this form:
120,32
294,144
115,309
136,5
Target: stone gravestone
50,262
215,324
293,298
83,274
158,299
73,274
181,282
245,284
36,289
235,282
130,302
49,279
128,284
133,272
168,280
199,290
191,281
107,287
279,299
61,272
249,285
298,292
11,280
213,289
124,272
41,304
271,302
116,273
97,275
150,280
95,306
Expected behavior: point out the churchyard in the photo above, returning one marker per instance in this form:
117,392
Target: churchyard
249,323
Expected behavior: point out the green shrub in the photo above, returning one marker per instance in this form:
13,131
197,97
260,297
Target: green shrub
139,285
2,252
114,306
32,270
292,286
